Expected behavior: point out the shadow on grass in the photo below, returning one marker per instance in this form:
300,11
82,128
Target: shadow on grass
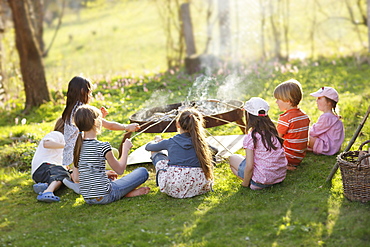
302,211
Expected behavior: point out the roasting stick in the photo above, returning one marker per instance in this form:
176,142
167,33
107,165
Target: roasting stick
222,102
169,124
155,123
218,101
225,121
218,141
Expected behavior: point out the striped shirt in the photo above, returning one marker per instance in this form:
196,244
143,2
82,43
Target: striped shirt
293,126
94,181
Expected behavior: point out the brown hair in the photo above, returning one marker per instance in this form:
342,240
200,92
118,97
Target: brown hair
191,121
78,91
333,105
59,125
266,128
84,119
289,91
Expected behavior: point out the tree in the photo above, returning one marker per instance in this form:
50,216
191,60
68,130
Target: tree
169,11
30,56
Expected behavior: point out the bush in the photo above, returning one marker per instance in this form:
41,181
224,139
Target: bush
18,155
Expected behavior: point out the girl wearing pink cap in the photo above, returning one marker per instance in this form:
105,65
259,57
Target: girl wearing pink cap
327,135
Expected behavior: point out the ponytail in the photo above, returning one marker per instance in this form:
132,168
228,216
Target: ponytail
192,121
77,150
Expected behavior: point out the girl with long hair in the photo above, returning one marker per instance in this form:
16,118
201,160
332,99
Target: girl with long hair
187,170
79,93
264,163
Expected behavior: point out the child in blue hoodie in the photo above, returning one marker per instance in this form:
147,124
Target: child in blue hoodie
187,170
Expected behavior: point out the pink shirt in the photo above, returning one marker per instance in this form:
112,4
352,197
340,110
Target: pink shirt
269,166
329,132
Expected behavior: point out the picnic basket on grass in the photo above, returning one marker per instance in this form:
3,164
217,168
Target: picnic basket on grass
355,170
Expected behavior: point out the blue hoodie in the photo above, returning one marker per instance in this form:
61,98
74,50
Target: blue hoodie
180,149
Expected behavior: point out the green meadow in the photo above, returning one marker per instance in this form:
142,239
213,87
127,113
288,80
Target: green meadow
304,210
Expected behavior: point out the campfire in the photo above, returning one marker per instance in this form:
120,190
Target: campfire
216,112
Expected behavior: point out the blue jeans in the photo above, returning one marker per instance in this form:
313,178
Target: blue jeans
122,186
241,174
157,157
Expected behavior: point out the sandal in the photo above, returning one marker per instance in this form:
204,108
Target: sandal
48,197
40,187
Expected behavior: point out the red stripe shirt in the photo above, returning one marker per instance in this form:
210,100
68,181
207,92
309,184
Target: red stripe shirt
293,126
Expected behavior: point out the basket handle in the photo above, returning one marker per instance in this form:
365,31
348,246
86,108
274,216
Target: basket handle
360,147
363,157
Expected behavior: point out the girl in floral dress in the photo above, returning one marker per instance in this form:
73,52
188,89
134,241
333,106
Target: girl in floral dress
187,170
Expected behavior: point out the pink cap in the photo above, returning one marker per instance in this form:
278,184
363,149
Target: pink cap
328,92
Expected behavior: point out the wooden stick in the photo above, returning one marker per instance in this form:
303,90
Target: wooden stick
222,102
335,168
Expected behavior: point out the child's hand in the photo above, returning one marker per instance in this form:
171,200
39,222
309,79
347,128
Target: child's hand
158,138
132,127
112,175
127,144
104,111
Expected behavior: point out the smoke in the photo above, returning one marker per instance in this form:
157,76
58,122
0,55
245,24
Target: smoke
201,88
158,98
233,87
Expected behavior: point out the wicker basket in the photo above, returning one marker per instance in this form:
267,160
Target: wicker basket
355,174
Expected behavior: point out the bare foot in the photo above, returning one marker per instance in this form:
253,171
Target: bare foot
291,167
253,187
138,192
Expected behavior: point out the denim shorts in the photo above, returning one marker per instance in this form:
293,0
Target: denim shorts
47,173
158,156
241,174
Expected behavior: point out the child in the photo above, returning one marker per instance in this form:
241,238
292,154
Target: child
79,93
327,135
265,163
293,124
89,159
187,171
47,170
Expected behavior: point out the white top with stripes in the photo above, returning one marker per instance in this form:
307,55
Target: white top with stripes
94,181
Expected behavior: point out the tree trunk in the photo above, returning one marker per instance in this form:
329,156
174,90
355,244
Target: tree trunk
275,30
263,26
368,24
2,29
224,23
32,68
37,11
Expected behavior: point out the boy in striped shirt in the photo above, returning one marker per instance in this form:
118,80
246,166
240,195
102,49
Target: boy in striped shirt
293,124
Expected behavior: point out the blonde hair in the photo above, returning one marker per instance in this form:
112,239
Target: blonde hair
85,120
289,91
191,121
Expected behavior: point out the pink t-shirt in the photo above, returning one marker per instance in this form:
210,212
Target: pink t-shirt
329,132
269,166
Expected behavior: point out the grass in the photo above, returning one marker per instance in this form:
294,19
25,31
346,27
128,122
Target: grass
302,211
